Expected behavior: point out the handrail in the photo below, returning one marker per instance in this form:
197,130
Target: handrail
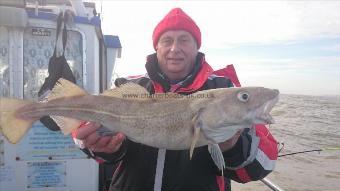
270,184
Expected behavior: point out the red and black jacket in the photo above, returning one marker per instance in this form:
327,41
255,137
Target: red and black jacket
252,158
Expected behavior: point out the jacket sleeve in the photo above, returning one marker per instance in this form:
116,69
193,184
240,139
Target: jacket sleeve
108,158
253,157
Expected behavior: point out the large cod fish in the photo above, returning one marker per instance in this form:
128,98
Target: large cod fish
168,120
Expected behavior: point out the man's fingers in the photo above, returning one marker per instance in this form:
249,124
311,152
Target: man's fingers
103,141
115,142
91,140
86,130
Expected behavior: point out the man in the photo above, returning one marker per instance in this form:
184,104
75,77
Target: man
178,66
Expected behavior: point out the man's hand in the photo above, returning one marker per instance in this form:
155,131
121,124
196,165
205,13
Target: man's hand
91,140
230,143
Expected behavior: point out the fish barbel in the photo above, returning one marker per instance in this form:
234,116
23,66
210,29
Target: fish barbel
166,120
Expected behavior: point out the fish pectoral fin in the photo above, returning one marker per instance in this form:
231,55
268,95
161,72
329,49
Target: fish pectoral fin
65,88
67,125
197,125
128,91
13,127
196,136
217,156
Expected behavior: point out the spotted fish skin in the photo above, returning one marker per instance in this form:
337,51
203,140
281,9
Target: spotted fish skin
160,120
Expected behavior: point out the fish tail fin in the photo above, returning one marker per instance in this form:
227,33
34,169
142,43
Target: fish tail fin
13,127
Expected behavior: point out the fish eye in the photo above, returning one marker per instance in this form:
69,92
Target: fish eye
243,96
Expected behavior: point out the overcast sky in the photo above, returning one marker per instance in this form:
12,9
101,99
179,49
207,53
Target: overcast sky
293,46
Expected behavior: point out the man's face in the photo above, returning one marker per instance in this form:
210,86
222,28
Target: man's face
176,53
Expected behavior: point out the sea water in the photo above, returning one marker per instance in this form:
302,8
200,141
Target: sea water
305,123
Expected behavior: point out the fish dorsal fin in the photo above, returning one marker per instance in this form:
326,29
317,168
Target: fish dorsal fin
128,91
65,88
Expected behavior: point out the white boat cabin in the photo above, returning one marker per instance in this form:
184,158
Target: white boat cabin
44,159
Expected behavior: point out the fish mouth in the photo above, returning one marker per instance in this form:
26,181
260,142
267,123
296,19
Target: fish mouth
264,116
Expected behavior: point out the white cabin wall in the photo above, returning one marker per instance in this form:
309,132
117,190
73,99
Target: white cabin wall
91,58
112,54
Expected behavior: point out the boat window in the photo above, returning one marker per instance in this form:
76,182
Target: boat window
38,48
4,62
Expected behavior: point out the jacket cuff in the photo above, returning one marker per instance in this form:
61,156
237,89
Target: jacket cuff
238,154
109,158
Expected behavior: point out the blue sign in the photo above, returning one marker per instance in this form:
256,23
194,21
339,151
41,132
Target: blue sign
6,174
46,174
40,143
